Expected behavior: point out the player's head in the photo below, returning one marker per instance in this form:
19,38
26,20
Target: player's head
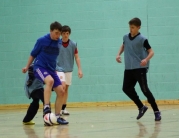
66,31
55,30
134,25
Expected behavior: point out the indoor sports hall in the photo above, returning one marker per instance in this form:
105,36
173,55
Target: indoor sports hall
98,100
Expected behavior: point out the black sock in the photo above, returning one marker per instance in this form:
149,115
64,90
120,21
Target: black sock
64,106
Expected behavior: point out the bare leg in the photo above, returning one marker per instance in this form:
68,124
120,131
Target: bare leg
66,94
58,104
48,88
59,99
64,85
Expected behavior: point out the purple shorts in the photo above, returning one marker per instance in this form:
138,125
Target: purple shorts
41,74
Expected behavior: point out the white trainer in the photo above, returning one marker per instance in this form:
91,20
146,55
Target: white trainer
65,112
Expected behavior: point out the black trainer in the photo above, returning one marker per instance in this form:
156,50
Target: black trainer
142,112
158,116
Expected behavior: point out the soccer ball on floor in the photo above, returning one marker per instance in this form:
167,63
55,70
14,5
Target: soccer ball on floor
50,119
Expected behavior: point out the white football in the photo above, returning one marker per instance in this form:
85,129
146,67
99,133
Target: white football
50,119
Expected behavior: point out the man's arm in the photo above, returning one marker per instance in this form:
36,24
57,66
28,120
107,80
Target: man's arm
29,62
150,53
78,63
121,50
146,60
36,50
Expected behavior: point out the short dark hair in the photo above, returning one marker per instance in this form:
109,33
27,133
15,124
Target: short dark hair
66,28
135,21
55,26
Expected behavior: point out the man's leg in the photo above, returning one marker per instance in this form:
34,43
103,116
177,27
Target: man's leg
48,87
32,110
65,100
59,99
68,79
129,83
141,77
41,95
58,88
65,95
62,78
128,87
44,76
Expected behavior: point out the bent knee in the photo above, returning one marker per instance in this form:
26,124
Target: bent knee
59,90
60,94
49,82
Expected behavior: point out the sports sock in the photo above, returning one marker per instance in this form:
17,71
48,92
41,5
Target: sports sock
64,106
47,105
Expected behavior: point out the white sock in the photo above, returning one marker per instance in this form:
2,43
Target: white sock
47,105
57,115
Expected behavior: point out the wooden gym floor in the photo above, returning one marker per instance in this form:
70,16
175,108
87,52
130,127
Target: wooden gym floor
95,122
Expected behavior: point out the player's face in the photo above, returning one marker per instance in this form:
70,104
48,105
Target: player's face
134,29
65,35
55,34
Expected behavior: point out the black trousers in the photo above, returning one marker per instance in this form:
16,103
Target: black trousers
131,77
37,95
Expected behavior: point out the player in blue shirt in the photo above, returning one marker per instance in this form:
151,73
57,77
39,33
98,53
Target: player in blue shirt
45,53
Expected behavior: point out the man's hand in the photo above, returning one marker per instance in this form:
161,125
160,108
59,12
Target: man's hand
144,62
29,62
118,58
150,55
80,73
24,70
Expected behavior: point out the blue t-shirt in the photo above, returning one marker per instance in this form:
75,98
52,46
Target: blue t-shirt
45,53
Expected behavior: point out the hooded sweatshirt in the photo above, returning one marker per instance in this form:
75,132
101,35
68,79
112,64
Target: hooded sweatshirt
45,53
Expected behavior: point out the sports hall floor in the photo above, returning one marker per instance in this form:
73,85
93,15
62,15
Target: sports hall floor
95,122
